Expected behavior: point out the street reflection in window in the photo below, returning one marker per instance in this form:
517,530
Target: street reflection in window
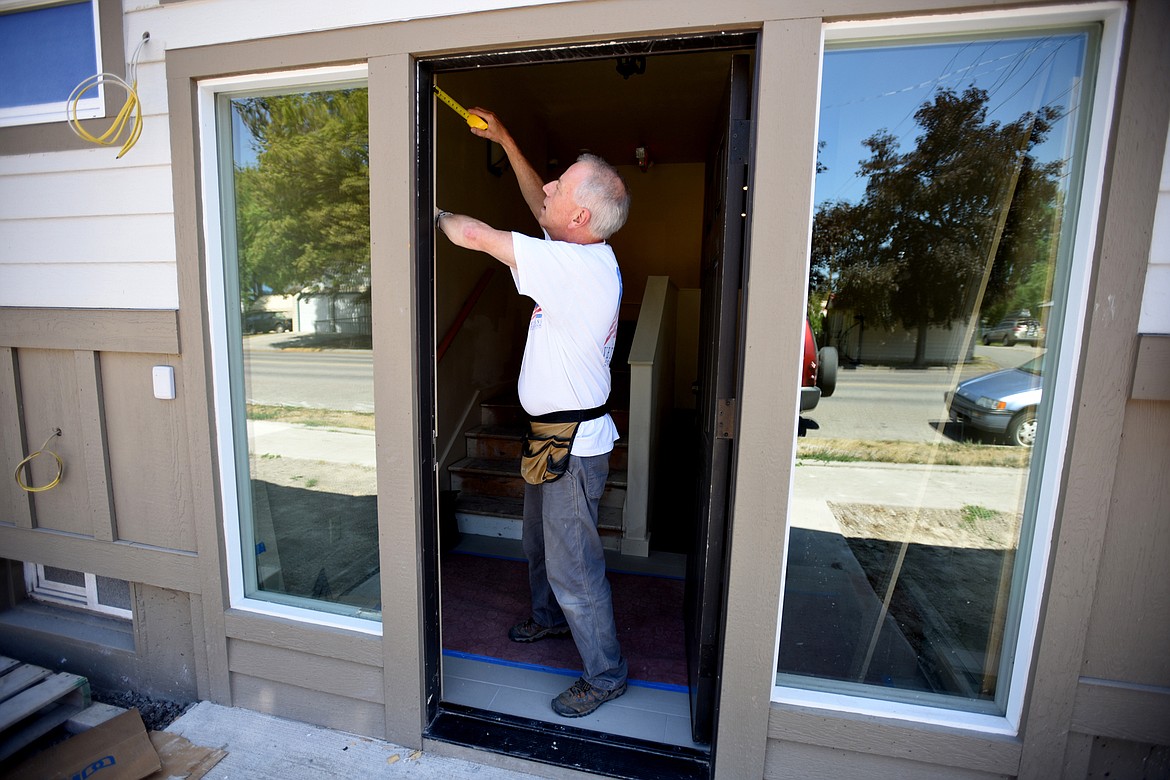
302,365
941,245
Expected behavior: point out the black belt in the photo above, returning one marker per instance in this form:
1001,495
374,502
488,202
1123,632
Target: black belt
572,415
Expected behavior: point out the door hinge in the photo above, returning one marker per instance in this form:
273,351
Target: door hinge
708,661
725,418
740,146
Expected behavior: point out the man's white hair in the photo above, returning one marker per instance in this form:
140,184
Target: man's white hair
604,192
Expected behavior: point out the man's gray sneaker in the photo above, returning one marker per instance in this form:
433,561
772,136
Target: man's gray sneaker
530,631
582,698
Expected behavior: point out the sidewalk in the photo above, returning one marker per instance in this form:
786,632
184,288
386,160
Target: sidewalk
262,746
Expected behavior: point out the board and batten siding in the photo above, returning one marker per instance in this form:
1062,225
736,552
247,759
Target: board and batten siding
123,501
1155,316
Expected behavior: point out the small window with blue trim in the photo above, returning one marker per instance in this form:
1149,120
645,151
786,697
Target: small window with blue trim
46,50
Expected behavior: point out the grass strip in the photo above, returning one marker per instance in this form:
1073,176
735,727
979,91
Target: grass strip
948,454
824,450
312,418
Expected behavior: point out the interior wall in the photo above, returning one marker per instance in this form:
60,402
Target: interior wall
485,354
663,236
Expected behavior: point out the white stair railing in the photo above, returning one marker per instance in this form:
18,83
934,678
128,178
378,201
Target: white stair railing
651,395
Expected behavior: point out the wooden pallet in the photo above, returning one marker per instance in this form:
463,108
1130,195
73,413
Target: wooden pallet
34,701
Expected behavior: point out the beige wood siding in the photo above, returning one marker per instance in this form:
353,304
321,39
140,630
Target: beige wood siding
147,453
1124,688
126,475
1151,376
297,703
796,761
17,503
48,388
343,679
824,735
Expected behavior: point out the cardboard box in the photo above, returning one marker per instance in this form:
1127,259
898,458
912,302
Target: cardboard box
118,749
181,759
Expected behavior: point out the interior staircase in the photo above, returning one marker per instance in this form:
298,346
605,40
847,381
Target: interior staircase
490,499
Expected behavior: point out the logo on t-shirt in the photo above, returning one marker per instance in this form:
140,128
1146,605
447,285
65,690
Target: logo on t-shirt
537,318
610,342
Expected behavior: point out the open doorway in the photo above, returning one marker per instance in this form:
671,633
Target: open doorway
655,110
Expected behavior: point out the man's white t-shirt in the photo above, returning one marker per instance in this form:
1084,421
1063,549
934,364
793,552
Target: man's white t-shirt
572,333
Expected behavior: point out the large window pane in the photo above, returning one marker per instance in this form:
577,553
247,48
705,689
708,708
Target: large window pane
302,377
944,212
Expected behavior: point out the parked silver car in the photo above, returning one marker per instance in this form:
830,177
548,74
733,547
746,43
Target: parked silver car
1015,329
1002,403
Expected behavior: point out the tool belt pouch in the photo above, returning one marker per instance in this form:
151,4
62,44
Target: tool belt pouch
545,457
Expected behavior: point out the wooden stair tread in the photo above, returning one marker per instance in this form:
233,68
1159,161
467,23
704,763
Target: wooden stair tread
516,433
510,467
500,431
513,509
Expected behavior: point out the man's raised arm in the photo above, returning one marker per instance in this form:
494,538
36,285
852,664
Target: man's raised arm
531,185
471,233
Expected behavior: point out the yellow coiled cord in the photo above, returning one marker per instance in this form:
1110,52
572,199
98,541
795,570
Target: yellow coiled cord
44,449
131,109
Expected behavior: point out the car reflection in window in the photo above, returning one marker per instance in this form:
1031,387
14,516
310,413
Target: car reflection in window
1002,403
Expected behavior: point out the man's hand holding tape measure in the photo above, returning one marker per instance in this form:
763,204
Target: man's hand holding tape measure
471,233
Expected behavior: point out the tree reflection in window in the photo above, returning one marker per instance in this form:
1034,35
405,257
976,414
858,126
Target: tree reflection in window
963,217
303,372
303,199
944,171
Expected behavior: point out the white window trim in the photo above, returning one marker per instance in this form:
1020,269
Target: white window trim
208,92
91,107
84,597
1059,397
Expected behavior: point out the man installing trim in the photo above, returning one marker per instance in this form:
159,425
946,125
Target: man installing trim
574,278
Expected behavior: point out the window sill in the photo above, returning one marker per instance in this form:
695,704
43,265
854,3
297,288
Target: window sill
921,742
63,622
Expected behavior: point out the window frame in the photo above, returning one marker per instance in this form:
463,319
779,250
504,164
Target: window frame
40,588
43,113
213,172
56,135
1044,494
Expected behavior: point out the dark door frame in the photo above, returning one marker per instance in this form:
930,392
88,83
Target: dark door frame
550,743
722,265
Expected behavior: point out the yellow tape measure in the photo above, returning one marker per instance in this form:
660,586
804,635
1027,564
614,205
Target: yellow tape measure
472,119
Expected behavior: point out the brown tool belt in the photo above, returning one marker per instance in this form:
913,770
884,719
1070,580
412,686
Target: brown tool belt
549,442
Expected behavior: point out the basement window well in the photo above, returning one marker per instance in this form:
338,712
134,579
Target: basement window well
54,585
